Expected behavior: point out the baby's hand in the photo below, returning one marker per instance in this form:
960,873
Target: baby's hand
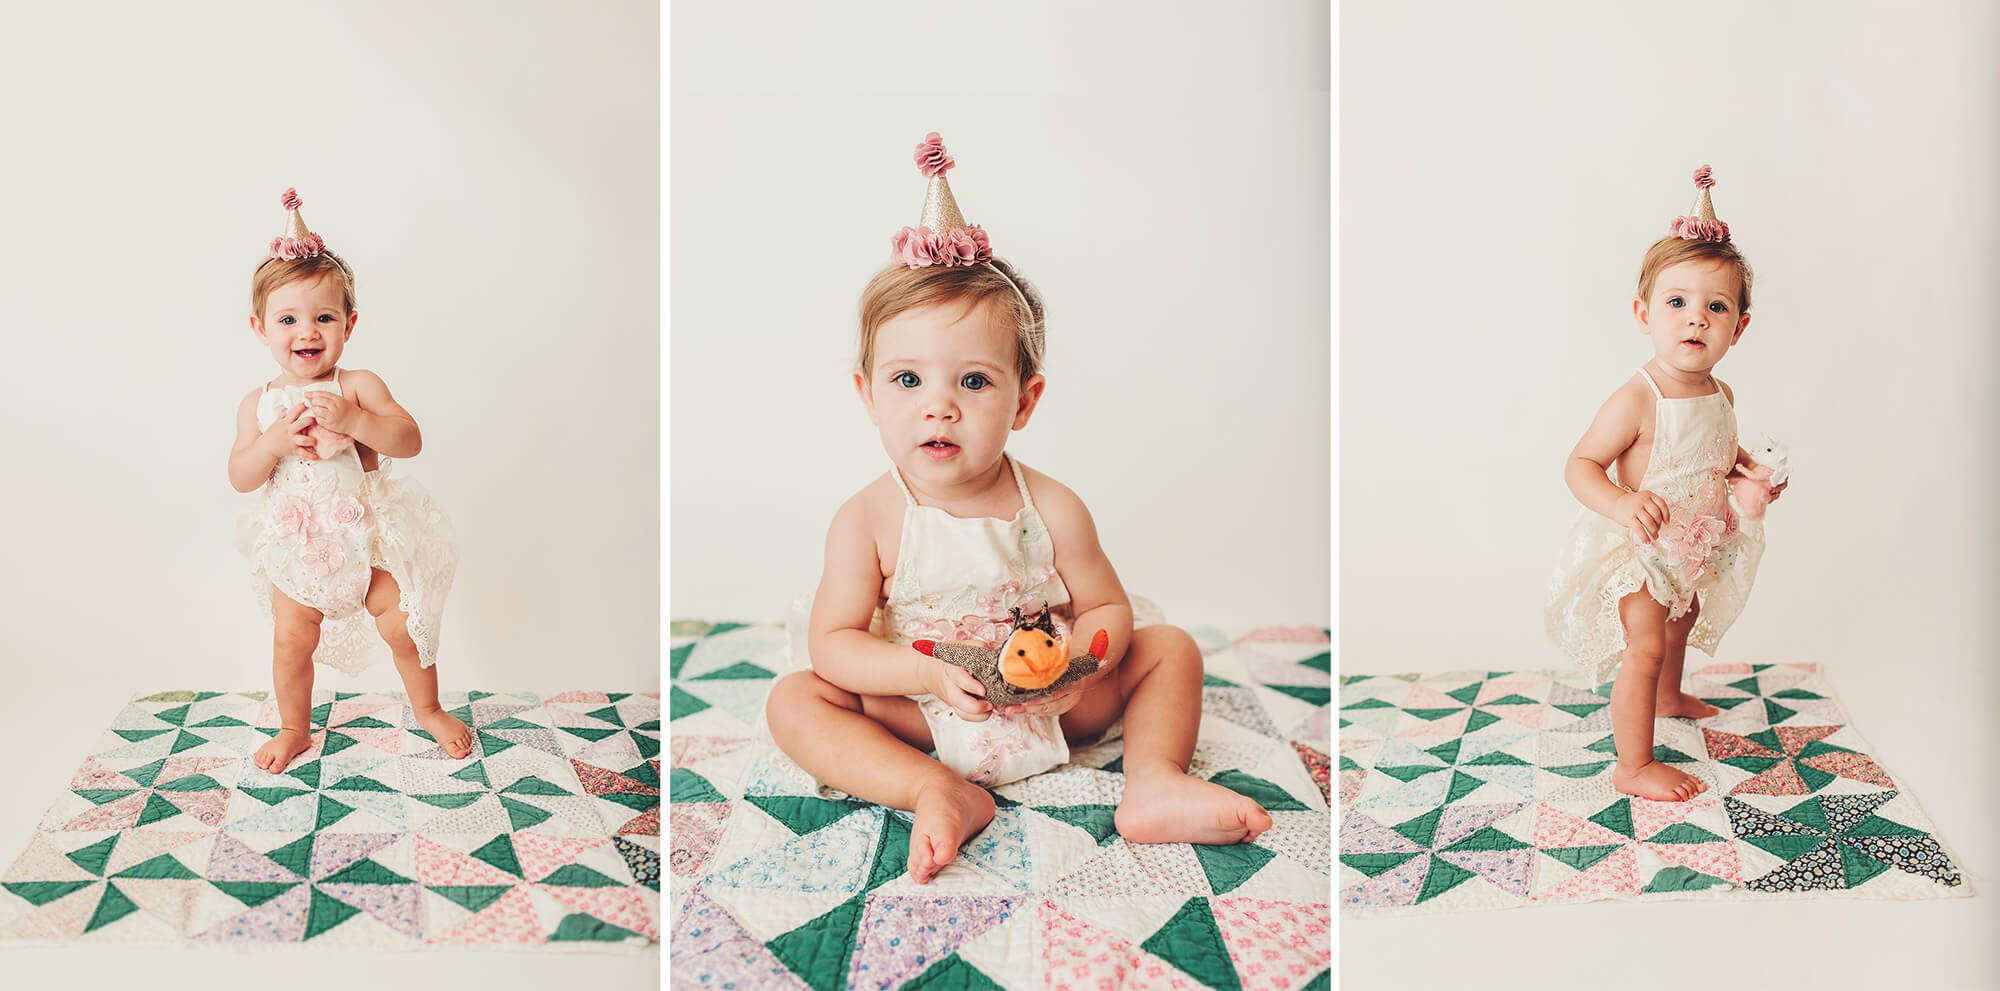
1644,512
1051,705
956,687
335,412
288,434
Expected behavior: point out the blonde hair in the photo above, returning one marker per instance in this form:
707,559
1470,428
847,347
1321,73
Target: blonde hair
275,272
1670,251
897,288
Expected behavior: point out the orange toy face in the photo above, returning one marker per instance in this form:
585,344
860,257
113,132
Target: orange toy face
1033,659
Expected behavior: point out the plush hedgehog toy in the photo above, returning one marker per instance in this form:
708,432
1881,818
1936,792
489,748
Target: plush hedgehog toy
1033,663
1752,486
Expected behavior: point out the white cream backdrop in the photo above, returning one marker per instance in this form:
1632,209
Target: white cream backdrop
1158,170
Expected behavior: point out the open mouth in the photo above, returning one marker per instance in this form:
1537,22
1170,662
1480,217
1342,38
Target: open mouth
1694,342
308,352
939,448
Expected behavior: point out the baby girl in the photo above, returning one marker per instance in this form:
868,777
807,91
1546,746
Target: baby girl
336,545
1659,560
945,546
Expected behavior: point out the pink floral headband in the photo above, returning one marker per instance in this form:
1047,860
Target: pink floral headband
1700,223
296,242
941,236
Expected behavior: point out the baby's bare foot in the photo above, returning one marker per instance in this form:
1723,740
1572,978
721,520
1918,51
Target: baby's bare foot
446,730
948,812
1682,705
1170,807
1658,782
276,754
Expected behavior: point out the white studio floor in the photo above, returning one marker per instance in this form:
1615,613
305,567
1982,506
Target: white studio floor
1943,746
48,727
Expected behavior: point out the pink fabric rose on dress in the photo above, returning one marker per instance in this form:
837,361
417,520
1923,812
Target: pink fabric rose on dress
291,516
1692,544
324,556
348,511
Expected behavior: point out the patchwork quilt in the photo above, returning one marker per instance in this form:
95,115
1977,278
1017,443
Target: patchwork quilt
1492,789
546,836
778,883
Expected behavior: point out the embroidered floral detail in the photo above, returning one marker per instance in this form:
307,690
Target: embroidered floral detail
323,555
291,516
1691,544
348,511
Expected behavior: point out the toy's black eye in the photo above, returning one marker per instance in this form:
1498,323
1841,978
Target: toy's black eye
1048,643
1021,653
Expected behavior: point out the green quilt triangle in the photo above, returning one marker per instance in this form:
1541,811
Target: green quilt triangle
1272,797
295,856
104,796
365,722
325,913
1515,698
1093,819
157,808
450,800
1583,711
591,733
1467,694
360,782
473,897
254,893
1442,877
1479,720
952,974
677,658
532,785
1228,867
1684,832
819,950
1369,703
307,772
687,786
1785,846
680,703
366,871
1858,867
1191,941
1423,829
800,813
1487,838
1809,813
1617,817
580,927
741,670
523,815
513,722
93,857
500,853
1315,695
135,735
579,876
1324,982
1775,713
162,866
490,744
1462,784
1581,857
1448,750
147,774
1322,662
112,907
1579,770
176,716
1372,864
336,742
474,772
193,782
331,811
1678,878
892,852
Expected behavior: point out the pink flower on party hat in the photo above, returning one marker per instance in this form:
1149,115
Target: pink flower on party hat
296,242
1700,224
941,235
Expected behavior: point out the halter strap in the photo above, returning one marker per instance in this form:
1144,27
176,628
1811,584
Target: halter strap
898,476
1020,481
1655,386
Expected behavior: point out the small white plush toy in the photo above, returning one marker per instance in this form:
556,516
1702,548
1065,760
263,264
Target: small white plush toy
1752,486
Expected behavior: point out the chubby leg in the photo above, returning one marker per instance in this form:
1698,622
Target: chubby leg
1633,704
419,683
873,747
1670,699
295,633
1158,687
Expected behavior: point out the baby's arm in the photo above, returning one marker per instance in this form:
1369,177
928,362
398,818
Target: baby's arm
256,452
849,657
1094,589
1587,472
371,416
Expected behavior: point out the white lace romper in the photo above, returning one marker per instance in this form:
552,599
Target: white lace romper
1704,550
957,579
319,527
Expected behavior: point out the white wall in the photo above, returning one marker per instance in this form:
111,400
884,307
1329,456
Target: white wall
1159,171
495,183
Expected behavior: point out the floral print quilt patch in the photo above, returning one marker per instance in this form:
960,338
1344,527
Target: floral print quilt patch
1492,789
777,883
545,836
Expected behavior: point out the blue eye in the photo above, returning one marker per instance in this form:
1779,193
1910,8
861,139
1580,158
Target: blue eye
326,318
286,319
975,381
1675,302
1718,307
907,380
